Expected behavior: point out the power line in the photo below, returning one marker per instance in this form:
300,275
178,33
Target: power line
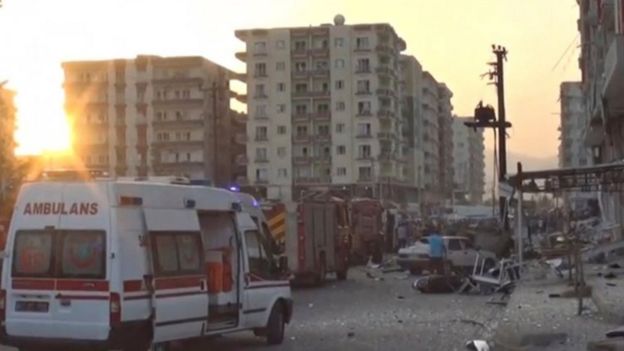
565,51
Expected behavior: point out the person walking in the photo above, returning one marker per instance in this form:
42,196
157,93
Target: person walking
437,252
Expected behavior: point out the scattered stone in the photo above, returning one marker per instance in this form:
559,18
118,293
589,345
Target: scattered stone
350,334
310,305
400,297
611,284
610,275
615,265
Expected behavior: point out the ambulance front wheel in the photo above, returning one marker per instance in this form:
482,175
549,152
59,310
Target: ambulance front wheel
276,325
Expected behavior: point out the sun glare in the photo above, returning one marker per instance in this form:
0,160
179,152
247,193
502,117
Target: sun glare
42,124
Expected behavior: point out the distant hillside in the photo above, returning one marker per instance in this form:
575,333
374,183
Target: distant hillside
529,163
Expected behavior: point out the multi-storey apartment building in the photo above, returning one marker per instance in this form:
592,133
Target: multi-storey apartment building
468,161
412,109
445,140
601,24
572,149
430,138
324,110
156,116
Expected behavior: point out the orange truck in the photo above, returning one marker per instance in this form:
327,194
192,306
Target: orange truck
368,233
314,235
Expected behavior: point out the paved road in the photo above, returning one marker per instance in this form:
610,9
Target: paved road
368,314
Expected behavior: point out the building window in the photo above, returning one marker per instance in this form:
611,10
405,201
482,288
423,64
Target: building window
188,157
302,130
363,65
261,154
340,127
339,63
261,111
281,151
323,130
341,171
281,87
340,106
188,136
364,108
301,87
364,129
280,66
364,151
300,66
261,133
260,93
260,47
281,130
301,109
365,173
339,42
260,70
322,108
261,174
300,45
321,65
363,86
341,149
361,43
281,108
339,84
280,44
282,173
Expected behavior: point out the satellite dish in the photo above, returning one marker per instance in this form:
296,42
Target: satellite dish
339,20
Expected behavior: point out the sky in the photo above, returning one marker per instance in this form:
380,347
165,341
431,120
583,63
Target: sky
451,38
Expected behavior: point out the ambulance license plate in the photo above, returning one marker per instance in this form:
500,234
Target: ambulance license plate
32,306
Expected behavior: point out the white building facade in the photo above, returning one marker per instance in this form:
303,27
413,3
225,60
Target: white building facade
155,116
325,111
468,162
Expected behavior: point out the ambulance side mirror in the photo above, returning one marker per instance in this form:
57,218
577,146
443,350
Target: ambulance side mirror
283,264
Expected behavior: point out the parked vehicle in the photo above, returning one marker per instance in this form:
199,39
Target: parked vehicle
460,255
135,265
368,231
275,214
318,237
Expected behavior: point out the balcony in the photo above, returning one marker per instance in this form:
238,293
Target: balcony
363,69
241,160
322,138
364,136
364,113
177,79
384,92
180,101
301,117
311,94
385,136
302,160
176,165
385,70
301,139
242,56
261,159
261,138
385,113
299,52
260,96
614,76
312,180
182,143
241,138
319,52
321,115
192,123
363,92
384,47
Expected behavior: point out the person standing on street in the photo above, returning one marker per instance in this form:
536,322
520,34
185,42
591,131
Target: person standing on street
402,232
437,252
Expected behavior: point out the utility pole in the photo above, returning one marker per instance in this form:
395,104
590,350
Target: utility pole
498,74
485,117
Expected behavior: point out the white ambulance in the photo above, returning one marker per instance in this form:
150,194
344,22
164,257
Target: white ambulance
135,265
